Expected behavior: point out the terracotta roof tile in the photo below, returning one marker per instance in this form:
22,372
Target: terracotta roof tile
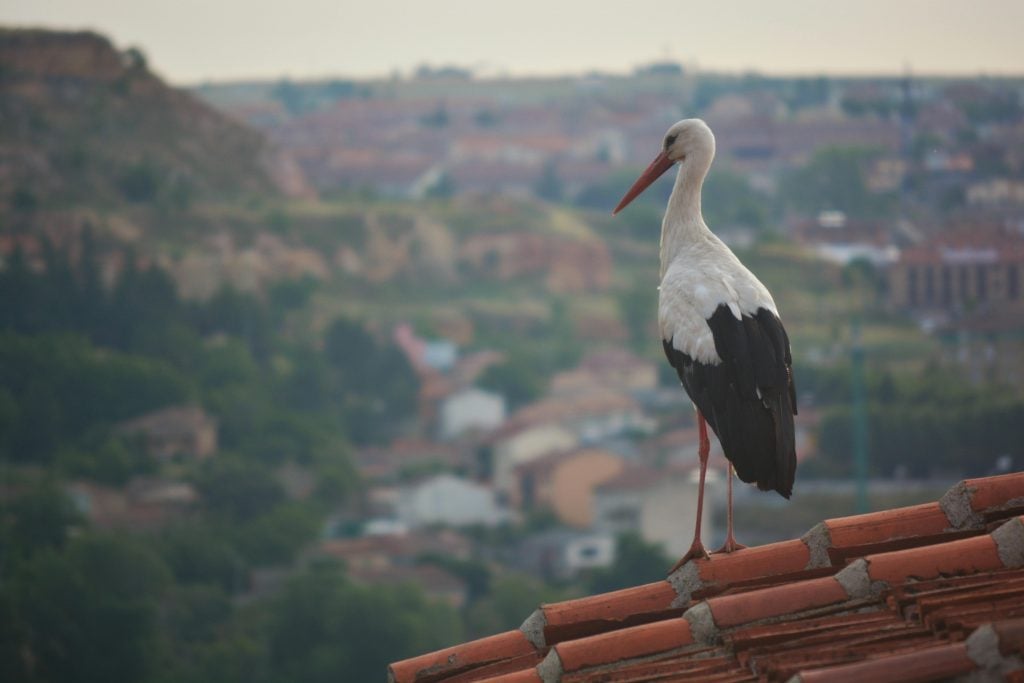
442,664
966,556
877,527
524,676
927,664
732,610
609,611
996,493
918,593
775,558
627,643
497,669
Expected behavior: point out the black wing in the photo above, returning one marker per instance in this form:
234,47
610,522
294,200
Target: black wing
749,399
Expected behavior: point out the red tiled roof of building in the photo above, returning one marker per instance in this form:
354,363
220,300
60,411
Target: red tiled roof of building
974,245
921,593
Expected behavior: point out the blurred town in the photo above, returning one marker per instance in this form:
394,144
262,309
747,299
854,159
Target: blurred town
265,328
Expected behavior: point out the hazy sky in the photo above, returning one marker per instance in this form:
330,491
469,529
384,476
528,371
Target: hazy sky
193,40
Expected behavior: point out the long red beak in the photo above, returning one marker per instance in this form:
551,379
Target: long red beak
660,164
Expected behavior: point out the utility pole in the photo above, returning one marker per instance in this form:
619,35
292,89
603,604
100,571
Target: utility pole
860,415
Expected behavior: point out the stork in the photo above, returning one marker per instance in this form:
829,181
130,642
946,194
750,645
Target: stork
720,330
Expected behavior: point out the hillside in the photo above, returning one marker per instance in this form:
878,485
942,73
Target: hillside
84,123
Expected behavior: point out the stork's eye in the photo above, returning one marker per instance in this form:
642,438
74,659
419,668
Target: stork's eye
669,141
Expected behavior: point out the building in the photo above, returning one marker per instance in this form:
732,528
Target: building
593,416
836,238
397,558
931,592
448,500
405,456
658,504
145,504
960,271
175,431
564,483
562,554
471,410
611,369
515,445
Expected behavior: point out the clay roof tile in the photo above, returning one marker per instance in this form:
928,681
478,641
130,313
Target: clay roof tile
438,665
917,593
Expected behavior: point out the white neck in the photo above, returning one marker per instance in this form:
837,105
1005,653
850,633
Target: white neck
683,223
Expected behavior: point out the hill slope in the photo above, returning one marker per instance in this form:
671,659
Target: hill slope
81,122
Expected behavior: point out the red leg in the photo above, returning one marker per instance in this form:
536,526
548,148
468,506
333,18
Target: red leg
730,540
697,548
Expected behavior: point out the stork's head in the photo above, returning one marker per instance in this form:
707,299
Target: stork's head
689,143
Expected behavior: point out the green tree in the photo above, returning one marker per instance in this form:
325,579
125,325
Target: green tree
324,629
517,379
549,185
89,614
374,383
834,179
237,490
39,519
509,602
636,562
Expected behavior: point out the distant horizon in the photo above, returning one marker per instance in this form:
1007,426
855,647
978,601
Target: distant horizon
190,43
409,75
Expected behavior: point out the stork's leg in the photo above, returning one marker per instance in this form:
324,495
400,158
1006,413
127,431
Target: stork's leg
730,540
697,548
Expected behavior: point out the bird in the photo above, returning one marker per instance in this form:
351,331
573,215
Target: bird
721,332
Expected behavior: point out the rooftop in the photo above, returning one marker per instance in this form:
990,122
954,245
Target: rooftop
927,592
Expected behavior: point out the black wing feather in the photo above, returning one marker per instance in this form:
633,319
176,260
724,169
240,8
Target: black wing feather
749,399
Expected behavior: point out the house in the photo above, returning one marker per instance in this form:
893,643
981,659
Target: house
436,583
471,410
398,558
145,504
930,592
178,430
449,500
564,483
658,504
610,369
561,554
592,416
391,550
405,456
514,445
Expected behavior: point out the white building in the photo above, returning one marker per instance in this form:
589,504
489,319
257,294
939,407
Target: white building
471,410
449,500
660,505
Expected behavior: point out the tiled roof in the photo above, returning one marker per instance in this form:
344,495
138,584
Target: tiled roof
926,592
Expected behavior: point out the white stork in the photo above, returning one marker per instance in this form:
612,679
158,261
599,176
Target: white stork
721,332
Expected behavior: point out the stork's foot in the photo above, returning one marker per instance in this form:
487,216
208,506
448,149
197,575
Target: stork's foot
730,546
696,552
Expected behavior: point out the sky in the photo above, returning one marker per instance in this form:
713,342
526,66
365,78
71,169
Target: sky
190,41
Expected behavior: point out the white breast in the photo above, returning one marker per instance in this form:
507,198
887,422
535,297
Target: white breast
700,278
